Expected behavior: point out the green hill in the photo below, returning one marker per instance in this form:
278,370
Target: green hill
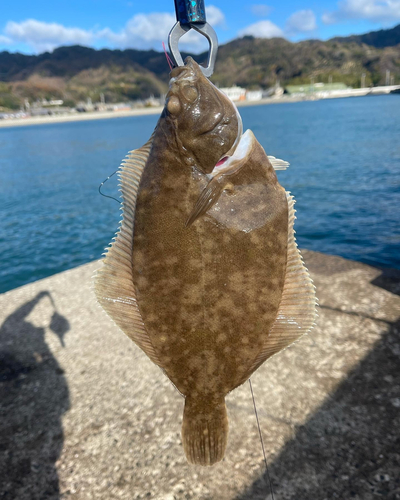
256,62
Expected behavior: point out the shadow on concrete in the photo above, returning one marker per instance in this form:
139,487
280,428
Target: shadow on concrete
350,448
389,280
33,397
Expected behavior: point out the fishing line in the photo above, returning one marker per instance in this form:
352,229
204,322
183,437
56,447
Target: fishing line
106,195
171,67
261,439
169,60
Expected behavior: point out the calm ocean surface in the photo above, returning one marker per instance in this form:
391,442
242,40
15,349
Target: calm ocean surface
344,174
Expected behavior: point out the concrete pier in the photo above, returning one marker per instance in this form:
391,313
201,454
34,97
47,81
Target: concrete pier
85,415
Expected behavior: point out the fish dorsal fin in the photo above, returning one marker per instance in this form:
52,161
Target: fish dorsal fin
278,164
114,285
297,310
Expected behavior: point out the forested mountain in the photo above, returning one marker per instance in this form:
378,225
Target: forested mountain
379,39
77,73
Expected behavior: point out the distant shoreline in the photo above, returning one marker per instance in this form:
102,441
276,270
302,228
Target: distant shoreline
101,115
77,117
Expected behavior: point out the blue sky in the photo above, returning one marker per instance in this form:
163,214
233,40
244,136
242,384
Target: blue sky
33,27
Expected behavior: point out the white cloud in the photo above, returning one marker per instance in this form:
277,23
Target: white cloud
215,16
142,31
42,36
373,10
301,22
5,40
260,9
330,18
146,31
262,29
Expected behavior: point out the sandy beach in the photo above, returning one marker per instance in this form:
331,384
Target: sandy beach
76,117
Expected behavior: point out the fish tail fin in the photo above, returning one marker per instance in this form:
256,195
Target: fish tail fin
204,435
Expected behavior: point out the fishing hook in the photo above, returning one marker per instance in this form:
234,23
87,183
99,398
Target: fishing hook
191,14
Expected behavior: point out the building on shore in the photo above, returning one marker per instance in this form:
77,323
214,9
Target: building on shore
332,90
234,93
312,88
254,95
237,94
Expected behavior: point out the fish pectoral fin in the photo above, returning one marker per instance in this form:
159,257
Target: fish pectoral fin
278,164
207,198
210,194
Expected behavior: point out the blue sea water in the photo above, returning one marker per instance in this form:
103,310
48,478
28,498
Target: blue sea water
344,174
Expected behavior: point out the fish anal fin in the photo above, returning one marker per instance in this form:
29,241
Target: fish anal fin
114,287
297,310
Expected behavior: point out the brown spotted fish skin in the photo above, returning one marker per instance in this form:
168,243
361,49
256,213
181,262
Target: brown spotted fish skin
206,295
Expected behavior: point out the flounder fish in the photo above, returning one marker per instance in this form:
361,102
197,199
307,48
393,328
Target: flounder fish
204,274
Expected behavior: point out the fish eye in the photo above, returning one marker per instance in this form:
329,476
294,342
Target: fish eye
173,105
190,93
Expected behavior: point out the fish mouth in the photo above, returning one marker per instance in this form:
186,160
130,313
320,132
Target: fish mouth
242,149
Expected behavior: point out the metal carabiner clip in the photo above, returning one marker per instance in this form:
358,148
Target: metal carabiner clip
191,14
